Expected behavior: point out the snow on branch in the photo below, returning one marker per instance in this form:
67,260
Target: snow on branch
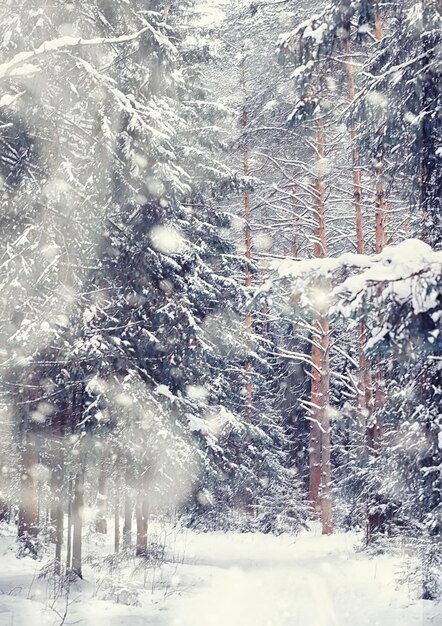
410,257
397,269
21,63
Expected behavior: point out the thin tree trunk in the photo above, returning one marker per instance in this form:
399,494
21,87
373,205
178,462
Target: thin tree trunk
69,528
315,427
28,510
326,494
320,456
378,32
430,192
141,520
77,512
59,535
295,239
248,254
117,511
319,251
128,513
379,164
379,197
57,513
364,391
356,165
101,521
374,431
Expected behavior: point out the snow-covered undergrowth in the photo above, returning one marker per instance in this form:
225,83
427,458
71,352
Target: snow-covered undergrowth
214,579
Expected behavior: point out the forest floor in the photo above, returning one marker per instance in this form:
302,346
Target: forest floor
217,579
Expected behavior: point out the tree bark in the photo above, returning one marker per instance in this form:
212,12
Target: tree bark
315,440
248,254
356,165
141,516
128,513
374,431
59,522
101,521
326,478
320,457
77,514
69,527
57,514
28,509
117,512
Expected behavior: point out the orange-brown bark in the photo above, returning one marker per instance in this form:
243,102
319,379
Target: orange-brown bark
320,453
374,433
356,166
364,392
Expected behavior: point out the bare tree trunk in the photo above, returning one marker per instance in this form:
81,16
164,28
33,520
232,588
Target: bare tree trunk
141,519
77,513
295,240
315,439
28,510
380,197
374,431
320,456
378,32
59,521
364,391
326,495
248,254
69,527
356,165
128,512
101,521
117,511
379,163
57,513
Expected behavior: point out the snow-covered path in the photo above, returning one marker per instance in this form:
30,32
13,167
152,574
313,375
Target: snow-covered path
231,579
256,580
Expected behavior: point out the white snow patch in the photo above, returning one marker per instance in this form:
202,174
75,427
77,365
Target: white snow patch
167,240
163,390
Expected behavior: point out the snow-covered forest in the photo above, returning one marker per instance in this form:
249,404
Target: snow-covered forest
220,312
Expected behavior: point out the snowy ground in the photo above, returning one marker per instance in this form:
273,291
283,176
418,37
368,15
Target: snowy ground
220,580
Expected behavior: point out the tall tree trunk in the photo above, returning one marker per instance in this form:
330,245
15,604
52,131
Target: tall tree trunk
295,239
77,521
248,254
101,521
326,478
69,526
364,391
374,431
28,509
128,512
117,509
430,200
117,523
59,522
315,439
57,513
141,516
356,165
378,30
379,162
320,457
380,214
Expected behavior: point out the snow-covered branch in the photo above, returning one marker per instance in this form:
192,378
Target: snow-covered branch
408,258
21,64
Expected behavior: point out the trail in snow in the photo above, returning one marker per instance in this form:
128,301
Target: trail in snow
256,580
233,580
